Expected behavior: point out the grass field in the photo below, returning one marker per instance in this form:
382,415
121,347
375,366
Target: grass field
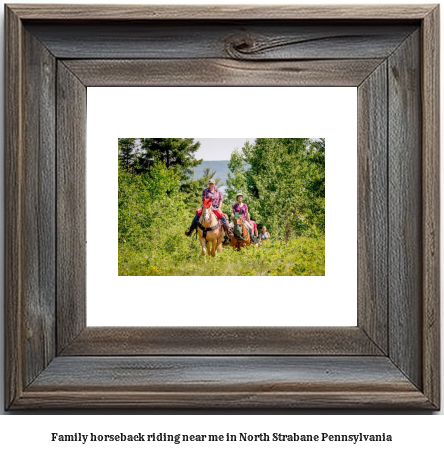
298,257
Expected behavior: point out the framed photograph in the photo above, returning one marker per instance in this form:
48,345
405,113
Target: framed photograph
155,254
390,359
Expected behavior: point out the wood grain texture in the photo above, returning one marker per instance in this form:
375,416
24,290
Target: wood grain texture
405,209
224,12
127,341
372,207
225,400
202,381
71,206
13,209
221,72
38,217
431,207
210,373
258,40
407,378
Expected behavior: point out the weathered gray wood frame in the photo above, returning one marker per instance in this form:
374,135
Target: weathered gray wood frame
390,360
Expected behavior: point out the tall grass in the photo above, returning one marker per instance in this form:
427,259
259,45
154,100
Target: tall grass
297,257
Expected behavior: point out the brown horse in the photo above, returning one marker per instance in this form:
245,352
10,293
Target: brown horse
210,230
241,236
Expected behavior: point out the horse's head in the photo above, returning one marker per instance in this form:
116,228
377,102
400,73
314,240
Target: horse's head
206,209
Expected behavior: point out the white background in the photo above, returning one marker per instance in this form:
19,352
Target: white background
215,112
25,434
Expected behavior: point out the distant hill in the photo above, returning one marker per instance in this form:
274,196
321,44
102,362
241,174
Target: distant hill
221,168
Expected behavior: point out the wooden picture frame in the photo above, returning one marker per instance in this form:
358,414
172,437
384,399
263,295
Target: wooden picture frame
390,360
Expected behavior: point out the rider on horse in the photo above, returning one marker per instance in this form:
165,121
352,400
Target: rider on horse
216,202
243,209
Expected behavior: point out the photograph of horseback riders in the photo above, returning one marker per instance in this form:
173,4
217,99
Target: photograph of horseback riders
221,206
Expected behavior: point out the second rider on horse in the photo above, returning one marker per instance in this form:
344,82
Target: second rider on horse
242,208
216,202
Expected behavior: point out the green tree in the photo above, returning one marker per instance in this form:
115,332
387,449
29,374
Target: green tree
173,152
316,157
127,152
137,195
237,180
283,182
207,175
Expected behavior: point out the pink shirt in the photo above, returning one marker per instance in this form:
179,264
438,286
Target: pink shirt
243,209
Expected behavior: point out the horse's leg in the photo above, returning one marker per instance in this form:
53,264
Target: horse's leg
221,240
214,247
238,244
204,250
218,242
248,236
210,248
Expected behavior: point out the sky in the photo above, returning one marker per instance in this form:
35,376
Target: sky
219,148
